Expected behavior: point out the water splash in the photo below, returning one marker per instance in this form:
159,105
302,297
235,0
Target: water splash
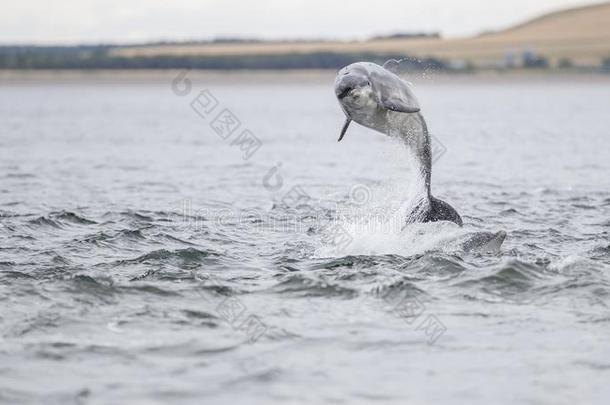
388,223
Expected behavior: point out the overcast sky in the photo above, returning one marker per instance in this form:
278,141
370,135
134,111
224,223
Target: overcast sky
119,21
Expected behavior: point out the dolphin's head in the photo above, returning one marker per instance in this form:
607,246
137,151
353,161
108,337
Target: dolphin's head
368,92
356,95
354,90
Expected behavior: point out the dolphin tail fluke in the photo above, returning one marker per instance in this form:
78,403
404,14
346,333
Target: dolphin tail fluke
439,210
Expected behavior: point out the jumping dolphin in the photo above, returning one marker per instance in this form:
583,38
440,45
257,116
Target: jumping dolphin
377,98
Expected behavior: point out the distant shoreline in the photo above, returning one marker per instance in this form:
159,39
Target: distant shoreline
277,76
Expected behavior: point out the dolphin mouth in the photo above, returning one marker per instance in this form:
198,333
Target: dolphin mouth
341,95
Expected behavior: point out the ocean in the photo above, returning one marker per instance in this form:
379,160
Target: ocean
189,237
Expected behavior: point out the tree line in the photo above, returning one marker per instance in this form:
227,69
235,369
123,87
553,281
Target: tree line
99,57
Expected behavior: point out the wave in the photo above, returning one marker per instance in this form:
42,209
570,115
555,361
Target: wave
305,286
60,219
118,238
188,255
517,280
14,275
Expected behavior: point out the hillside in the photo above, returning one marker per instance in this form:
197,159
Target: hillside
580,34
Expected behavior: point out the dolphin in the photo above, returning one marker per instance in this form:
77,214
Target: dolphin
376,97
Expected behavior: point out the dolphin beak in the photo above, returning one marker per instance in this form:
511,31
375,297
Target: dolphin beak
344,129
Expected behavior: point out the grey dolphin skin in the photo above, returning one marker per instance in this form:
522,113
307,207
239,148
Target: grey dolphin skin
375,97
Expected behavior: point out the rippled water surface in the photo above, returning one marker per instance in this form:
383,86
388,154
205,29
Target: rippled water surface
143,259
